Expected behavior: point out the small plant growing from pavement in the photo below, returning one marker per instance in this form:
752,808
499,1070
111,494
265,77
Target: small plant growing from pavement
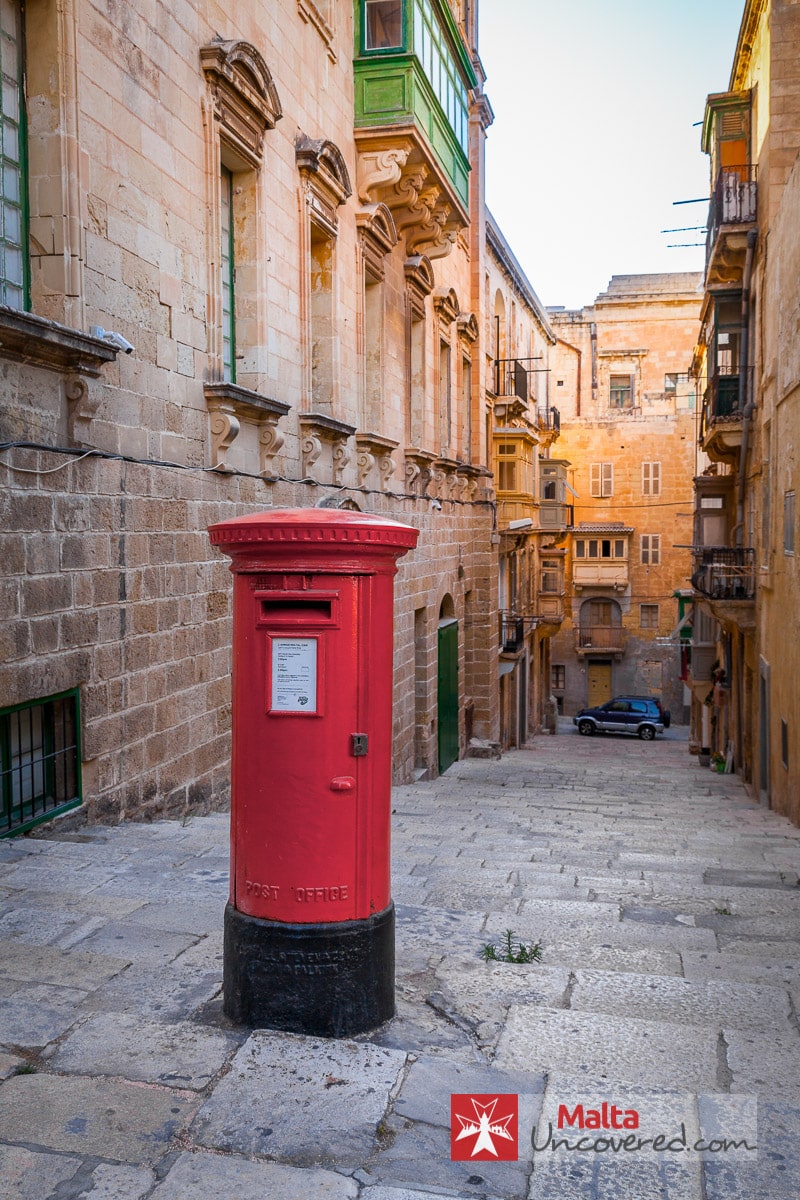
511,950
722,910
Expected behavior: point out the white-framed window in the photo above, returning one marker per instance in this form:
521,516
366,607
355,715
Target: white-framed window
651,549
598,547
228,270
651,478
648,616
602,479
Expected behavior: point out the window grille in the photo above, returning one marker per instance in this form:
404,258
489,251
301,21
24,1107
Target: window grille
39,761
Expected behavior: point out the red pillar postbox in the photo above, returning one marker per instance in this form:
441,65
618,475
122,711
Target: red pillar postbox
309,927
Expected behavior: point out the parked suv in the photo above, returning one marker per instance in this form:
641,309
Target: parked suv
642,715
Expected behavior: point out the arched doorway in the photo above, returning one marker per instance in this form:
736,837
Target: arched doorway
447,684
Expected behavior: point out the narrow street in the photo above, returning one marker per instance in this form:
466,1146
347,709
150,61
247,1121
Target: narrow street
666,908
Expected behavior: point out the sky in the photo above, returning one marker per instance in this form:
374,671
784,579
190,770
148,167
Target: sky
593,139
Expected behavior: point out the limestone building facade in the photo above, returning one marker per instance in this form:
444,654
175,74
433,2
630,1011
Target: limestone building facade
522,427
244,266
745,657
628,434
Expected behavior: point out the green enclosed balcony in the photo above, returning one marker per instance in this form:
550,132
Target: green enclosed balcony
413,76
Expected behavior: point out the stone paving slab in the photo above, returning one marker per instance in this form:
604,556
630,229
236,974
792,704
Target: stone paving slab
776,1173
215,1176
179,1055
29,1175
126,939
147,989
417,1156
768,1064
49,965
26,1024
703,964
481,992
9,1064
713,1002
303,1100
593,1044
123,1122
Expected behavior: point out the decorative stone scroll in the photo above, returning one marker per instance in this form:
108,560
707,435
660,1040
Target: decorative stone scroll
229,405
318,434
374,454
418,470
399,171
445,301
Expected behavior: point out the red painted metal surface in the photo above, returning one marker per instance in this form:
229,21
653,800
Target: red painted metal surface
312,667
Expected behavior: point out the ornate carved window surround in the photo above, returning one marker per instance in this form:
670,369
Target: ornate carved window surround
318,14
244,96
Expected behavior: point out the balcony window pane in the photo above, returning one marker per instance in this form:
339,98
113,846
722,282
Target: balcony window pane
619,549
580,549
383,25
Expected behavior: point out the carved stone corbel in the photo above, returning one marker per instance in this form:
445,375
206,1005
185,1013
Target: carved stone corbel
81,404
340,457
380,169
365,462
418,472
374,454
230,405
224,430
311,449
319,431
270,441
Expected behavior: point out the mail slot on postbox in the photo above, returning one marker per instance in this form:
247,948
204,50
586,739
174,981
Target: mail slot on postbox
309,927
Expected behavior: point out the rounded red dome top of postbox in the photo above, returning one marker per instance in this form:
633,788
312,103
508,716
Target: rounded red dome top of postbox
283,533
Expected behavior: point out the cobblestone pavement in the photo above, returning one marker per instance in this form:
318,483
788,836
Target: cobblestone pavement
667,908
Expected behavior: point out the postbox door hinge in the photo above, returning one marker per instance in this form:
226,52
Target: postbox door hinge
360,744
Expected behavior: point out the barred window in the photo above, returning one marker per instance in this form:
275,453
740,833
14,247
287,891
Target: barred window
39,761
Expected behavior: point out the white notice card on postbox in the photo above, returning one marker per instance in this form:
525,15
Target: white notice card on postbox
294,675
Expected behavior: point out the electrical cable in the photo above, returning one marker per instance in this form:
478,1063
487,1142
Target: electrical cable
77,454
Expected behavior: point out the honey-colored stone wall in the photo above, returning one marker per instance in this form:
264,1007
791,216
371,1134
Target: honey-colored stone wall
110,584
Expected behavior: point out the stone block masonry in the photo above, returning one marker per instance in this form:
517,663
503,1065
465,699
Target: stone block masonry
111,587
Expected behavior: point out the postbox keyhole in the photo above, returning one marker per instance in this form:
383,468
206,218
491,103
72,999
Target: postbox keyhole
360,744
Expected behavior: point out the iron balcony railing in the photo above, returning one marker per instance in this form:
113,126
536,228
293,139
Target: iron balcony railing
600,637
725,572
512,632
734,201
511,379
548,418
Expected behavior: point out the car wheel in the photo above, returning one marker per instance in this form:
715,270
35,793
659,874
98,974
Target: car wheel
646,733
586,728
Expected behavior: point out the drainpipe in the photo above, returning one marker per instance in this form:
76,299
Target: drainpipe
746,404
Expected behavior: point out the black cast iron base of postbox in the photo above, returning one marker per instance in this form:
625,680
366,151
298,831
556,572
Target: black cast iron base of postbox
332,979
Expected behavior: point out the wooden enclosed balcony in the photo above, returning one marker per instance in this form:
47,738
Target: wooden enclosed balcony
733,212
600,639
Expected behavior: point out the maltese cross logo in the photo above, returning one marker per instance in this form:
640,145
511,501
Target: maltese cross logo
483,1127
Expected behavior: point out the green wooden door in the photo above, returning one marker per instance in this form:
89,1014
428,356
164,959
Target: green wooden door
447,699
